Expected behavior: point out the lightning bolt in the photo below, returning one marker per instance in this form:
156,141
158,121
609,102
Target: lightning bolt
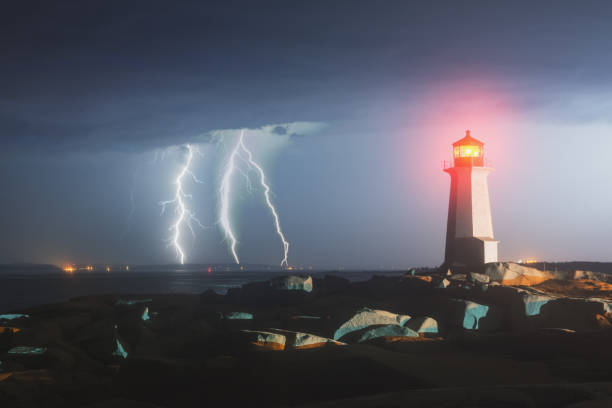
225,193
184,215
262,180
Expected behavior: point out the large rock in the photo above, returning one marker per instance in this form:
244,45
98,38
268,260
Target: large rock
368,317
470,313
575,314
389,332
300,340
423,325
266,340
293,282
509,273
533,302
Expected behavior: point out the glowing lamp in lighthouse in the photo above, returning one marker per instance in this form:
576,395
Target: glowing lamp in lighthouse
469,232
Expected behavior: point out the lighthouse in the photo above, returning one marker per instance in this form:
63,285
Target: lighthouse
469,232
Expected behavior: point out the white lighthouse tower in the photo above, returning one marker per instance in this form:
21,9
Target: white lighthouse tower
469,233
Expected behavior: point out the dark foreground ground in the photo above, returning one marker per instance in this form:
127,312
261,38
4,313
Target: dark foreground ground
188,355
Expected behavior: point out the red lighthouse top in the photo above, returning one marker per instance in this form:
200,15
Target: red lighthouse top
468,151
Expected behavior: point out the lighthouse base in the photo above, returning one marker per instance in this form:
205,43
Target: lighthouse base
471,251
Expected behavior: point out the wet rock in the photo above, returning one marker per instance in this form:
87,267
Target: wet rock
367,317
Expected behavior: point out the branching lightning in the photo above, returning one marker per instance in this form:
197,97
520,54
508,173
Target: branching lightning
262,180
225,193
184,215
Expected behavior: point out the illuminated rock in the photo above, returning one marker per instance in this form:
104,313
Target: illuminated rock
444,283
237,316
119,350
145,314
306,340
300,340
534,302
471,313
479,278
293,282
509,273
423,325
266,340
391,331
13,316
368,317
28,350
11,330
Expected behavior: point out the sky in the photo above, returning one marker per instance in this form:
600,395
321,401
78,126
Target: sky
350,108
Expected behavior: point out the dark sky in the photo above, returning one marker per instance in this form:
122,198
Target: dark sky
356,104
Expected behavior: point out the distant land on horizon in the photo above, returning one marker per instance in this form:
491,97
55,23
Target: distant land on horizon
25,267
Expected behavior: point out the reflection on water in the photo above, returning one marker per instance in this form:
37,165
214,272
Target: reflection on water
19,290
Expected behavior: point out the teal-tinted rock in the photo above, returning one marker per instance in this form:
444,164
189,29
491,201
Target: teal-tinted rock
119,350
27,350
238,316
13,316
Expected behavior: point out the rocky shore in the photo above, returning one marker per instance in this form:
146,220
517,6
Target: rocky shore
502,336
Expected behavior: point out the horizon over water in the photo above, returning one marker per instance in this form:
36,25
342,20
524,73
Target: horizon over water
27,288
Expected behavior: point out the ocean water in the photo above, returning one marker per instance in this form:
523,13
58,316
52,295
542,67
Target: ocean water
21,290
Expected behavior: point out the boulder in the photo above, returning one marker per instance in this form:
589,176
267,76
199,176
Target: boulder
470,313
533,302
368,317
510,273
300,340
293,282
306,340
266,340
479,278
444,283
423,325
389,332
145,314
575,314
